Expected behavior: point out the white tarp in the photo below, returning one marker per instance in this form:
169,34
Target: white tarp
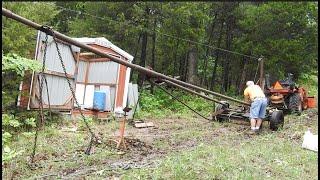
310,141
79,94
106,89
133,95
88,97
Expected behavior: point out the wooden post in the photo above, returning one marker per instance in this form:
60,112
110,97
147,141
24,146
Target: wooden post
261,79
121,136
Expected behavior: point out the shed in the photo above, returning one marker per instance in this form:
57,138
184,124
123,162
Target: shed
86,71
96,73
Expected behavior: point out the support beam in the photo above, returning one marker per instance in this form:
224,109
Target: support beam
144,70
192,92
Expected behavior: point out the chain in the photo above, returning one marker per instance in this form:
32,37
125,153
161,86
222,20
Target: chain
41,115
74,97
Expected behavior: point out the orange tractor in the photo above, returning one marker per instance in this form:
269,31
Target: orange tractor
286,96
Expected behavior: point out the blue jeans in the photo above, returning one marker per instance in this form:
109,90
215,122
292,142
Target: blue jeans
258,108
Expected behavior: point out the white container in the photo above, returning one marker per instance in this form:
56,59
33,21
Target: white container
310,141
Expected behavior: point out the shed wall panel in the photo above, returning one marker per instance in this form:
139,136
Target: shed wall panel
82,68
59,91
52,59
103,72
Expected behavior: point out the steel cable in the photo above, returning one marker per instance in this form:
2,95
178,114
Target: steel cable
177,99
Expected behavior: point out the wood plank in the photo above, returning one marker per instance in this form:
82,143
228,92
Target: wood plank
144,125
54,73
121,85
68,100
99,60
99,84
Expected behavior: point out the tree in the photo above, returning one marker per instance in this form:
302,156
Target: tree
18,38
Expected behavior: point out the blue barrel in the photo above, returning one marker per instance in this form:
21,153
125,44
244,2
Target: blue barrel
99,100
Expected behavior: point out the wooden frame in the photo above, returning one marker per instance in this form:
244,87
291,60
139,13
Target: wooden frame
34,90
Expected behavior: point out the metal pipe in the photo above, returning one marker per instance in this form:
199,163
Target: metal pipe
150,73
192,92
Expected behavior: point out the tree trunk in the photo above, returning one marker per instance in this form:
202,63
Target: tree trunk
175,64
226,65
243,76
143,56
135,56
185,66
192,74
153,50
204,76
217,57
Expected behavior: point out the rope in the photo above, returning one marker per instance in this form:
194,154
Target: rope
155,31
179,101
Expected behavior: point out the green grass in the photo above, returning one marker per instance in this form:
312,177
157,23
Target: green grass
192,149
230,155
262,157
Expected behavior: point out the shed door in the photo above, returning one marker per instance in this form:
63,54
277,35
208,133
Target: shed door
59,93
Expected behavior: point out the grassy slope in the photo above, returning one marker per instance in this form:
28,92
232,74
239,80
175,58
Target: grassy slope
276,155
230,155
217,151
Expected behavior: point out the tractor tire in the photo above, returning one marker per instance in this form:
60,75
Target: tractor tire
276,120
295,104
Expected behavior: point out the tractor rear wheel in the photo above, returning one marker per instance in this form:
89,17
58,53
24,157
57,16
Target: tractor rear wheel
295,103
276,120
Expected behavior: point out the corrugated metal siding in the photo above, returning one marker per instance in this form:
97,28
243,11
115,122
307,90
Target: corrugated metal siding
59,91
52,59
82,67
50,40
103,72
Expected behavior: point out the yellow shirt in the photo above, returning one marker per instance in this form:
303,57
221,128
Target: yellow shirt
253,92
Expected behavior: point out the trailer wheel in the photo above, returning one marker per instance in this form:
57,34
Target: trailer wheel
276,120
217,108
295,103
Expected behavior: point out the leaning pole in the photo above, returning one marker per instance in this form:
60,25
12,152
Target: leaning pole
144,70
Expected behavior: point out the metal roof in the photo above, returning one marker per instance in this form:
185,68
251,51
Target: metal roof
105,43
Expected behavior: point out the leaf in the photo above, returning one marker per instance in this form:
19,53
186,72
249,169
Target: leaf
6,149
